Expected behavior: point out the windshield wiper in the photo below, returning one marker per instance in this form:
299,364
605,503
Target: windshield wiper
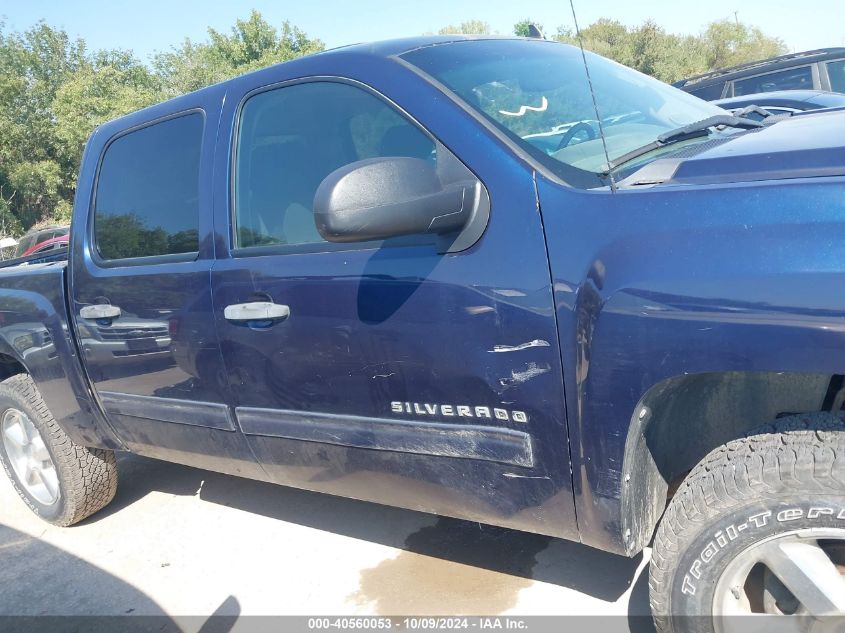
693,130
753,109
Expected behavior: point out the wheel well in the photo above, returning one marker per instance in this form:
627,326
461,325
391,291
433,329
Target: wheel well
9,366
680,420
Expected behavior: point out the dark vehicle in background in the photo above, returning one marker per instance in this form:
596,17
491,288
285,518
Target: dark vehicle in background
32,241
822,69
420,273
782,102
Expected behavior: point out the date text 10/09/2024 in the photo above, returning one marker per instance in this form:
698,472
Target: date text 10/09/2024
417,623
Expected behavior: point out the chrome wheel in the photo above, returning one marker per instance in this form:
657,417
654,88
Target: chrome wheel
796,575
29,457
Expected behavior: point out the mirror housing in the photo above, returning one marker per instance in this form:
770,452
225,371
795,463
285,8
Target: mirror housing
380,198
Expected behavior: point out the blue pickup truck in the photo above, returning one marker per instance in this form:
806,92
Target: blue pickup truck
487,278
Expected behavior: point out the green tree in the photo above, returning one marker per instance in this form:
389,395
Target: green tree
522,28
669,57
112,84
126,235
54,92
34,178
726,43
253,43
605,37
9,223
470,27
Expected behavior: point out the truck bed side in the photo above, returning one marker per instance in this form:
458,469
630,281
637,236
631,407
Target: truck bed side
35,338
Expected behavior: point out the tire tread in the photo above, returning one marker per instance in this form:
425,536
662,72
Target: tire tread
88,475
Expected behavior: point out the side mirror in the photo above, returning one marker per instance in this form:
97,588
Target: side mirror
379,198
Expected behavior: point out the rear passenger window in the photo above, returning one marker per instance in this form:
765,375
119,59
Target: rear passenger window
146,202
791,79
836,73
291,138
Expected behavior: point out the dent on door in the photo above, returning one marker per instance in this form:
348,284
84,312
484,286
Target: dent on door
421,394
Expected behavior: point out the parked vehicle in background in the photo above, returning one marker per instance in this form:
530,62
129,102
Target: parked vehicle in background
822,69
783,102
420,273
32,241
50,244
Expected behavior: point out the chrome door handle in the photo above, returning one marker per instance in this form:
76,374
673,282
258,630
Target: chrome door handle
99,311
256,311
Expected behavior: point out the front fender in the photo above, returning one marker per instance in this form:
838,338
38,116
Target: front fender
668,282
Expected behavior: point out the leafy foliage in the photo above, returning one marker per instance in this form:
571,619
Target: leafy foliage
54,92
669,57
126,235
110,85
251,44
33,165
522,28
470,27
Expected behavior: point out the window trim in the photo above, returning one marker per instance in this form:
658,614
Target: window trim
92,249
325,246
824,77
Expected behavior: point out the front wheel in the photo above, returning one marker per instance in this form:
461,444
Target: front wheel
59,480
757,528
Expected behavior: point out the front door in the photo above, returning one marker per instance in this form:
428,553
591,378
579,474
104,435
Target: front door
388,371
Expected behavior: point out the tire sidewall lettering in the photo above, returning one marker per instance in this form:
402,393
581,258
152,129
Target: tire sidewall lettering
710,552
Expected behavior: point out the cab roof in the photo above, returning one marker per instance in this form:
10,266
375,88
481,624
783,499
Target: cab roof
400,46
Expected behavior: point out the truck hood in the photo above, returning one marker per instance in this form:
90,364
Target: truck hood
810,144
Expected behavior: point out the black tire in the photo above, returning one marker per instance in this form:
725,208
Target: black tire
87,476
787,475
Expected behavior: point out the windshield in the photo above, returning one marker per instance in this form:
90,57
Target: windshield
537,93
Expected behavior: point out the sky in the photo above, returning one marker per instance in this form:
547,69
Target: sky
157,25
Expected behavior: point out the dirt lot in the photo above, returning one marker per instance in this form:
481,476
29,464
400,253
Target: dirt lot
183,541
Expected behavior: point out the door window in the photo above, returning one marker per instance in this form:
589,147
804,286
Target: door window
146,202
791,79
291,138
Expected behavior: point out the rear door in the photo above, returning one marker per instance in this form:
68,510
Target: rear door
393,373
141,301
